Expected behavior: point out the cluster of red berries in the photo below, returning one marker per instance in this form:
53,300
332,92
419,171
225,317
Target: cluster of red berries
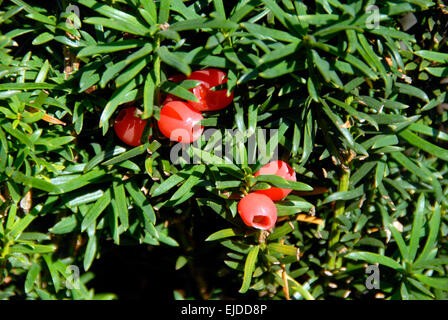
257,209
179,120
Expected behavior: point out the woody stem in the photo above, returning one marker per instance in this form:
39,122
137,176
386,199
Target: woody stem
335,232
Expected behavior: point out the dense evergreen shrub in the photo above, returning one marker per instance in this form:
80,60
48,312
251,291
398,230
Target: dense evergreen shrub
356,90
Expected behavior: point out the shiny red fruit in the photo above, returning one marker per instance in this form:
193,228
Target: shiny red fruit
279,168
129,126
258,211
210,100
180,122
175,78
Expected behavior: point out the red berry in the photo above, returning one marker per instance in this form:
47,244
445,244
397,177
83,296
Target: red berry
175,78
129,126
258,211
170,98
180,122
279,168
209,100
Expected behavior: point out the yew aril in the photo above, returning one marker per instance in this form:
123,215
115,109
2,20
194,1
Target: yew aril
279,168
129,126
174,78
180,122
257,211
210,100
